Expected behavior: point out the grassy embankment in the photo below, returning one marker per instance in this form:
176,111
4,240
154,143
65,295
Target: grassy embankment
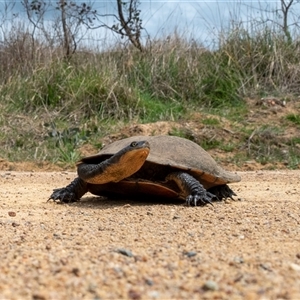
51,107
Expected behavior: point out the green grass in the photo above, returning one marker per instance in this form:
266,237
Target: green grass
295,118
236,113
51,108
152,109
294,159
210,144
228,147
183,133
295,140
211,121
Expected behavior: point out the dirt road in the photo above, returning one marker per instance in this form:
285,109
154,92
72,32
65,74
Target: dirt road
100,249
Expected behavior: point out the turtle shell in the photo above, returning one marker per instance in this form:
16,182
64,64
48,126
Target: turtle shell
167,154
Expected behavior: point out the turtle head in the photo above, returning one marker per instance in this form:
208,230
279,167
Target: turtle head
121,165
133,156
127,161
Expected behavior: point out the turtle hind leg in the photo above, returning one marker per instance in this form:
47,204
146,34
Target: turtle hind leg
71,193
193,191
222,192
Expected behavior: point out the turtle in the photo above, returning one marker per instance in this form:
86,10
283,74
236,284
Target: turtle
160,166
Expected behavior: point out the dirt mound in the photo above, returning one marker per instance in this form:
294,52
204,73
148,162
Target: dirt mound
27,166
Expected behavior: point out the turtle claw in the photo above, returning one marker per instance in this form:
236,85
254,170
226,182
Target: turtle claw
63,195
198,199
70,193
222,192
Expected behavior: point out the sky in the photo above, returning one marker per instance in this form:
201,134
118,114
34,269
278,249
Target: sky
204,19
199,20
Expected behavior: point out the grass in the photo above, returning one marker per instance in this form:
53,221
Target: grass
236,113
295,140
51,107
183,133
295,118
154,109
211,121
228,147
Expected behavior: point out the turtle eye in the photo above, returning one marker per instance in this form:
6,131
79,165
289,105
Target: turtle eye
133,144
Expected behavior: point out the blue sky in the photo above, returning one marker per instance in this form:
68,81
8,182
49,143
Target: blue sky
200,20
199,16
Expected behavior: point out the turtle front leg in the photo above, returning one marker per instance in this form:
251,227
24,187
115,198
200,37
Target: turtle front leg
191,188
71,193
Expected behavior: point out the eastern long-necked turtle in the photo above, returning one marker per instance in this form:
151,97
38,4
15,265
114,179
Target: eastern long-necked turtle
160,166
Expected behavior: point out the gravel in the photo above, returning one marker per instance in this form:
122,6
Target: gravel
107,249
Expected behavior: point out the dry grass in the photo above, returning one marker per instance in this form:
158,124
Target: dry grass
70,101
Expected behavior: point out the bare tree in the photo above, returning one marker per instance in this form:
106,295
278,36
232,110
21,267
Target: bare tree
130,21
74,17
6,12
127,22
71,18
285,9
286,17
35,11
283,15
6,16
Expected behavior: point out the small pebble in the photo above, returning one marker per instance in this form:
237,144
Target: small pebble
125,252
190,253
149,282
12,214
210,285
135,295
265,267
64,261
238,260
76,271
38,297
154,294
295,267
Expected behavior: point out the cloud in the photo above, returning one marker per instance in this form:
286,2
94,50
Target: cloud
200,20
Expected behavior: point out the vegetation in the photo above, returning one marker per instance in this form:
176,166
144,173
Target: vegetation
51,105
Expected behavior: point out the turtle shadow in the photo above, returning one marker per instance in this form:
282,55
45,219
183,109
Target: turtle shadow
106,203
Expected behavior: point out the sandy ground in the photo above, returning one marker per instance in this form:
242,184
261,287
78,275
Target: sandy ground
101,249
